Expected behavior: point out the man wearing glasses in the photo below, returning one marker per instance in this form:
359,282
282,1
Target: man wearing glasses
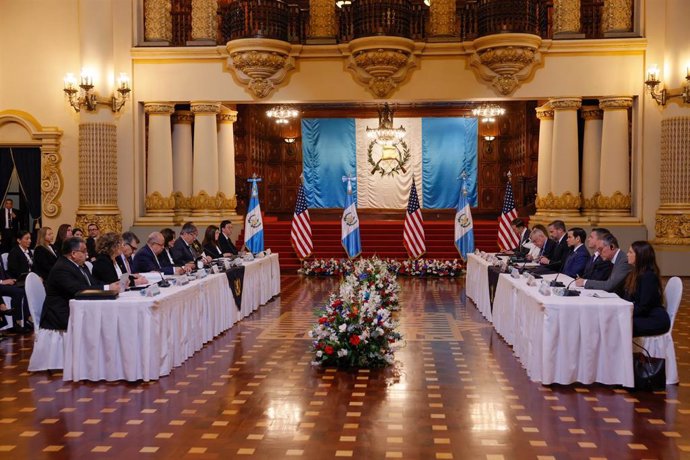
67,277
146,258
94,233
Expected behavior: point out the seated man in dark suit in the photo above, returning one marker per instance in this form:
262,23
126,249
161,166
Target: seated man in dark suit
545,245
146,258
184,249
94,233
67,277
16,295
575,263
597,267
557,234
225,239
610,251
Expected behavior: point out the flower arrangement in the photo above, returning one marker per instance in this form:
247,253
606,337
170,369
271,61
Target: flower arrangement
356,327
419,267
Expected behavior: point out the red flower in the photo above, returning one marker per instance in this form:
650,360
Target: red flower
323,320
354,340
328,350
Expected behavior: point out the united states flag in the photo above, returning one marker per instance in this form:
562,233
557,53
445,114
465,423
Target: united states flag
507,239
301,227
413,233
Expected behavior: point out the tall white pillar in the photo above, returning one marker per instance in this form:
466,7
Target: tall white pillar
226,161
205,164
614,184
565,170
591,158
182,153
545,115
159,165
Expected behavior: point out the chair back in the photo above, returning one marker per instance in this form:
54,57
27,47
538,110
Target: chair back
35,295
5,256
672,295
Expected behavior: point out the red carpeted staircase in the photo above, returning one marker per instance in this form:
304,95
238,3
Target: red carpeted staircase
381,238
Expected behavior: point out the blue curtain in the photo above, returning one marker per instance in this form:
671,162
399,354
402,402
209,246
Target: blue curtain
449,146
329,153
28,164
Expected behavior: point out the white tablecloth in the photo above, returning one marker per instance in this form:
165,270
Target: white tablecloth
565,339
477,284
143,338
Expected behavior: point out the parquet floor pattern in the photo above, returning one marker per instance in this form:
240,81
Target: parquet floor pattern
456,392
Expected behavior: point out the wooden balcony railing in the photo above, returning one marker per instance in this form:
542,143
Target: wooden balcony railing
382,17
254,19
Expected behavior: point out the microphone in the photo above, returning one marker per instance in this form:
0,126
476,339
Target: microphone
555,282
571,292
163,282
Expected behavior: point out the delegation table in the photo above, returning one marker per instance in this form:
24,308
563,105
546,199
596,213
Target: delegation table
143,338
561,339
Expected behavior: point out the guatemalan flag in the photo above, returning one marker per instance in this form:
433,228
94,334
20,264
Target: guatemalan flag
464,231
349,225
253,224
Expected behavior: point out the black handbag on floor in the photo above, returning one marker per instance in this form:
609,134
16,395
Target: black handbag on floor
650,372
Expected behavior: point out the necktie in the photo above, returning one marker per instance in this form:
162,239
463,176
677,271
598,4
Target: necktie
8,219
86,275
129,270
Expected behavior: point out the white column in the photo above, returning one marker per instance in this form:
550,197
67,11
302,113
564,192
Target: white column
226,161
615,157
565,171
205,164
545,115
182,160
591,158
159,165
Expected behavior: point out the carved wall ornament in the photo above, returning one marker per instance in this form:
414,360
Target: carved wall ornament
224,203
566,16
47,138
227,116
162,108
183,116
673,229
157,20
205,107
617,201
504,60
322,16
260,63
182,201
675,162
381,63
157,202
617,16
615,103
591,112
105,222
442,18
202,201
204,18
566,103
545,112
566,201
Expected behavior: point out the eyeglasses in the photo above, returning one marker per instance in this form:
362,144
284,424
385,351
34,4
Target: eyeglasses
134,248
155,242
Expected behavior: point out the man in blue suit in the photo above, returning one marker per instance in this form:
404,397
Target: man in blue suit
597,267
576,260
146,260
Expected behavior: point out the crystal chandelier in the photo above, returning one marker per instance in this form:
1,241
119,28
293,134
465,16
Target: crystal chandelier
386,135
282,114
488,112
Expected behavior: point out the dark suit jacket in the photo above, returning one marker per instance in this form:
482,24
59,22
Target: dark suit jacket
104,269
598,269
43,261
213,251
576,261
226,245
520,250
614,282
146,261
17,263
91,248
558,256
181,253
121,263
164,259
64,281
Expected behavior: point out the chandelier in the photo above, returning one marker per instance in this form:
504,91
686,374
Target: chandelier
488,112
282,114
385,134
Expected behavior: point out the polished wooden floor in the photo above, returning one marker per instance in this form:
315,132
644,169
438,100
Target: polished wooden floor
456,392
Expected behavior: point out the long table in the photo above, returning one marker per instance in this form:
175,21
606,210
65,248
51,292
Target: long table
143,338
564,339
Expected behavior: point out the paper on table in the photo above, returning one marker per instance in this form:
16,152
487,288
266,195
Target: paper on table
601,294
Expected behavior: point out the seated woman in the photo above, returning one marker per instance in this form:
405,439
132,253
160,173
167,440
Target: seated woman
210,243
105,268
45,254
20,258
642,287
64,232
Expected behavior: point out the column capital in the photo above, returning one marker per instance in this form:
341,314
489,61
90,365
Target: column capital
183,116
205,107
545,112
591,112
227,115
615,103
159,108
566,103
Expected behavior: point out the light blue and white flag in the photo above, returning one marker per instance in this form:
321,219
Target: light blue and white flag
253,224
349,225
464,229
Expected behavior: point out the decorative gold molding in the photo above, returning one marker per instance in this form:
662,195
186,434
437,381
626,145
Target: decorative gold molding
157,202
47,138
157,20
322,22
224,203
159,108
183,117
182,201
615,103
566,16
567,201
504,60
617,201
545,112
591,112
205,107
566,103
442,18
105,222
204,18
672,229
202,201
260,63
617,16
227,115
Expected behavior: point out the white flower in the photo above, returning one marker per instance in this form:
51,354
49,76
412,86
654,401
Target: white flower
319,354
342,352
342,327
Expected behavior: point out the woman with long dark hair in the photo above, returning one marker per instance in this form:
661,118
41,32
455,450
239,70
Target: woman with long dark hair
210,242
64,232
642,287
